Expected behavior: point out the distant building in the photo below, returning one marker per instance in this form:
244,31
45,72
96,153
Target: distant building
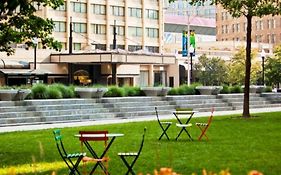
264,30
137,60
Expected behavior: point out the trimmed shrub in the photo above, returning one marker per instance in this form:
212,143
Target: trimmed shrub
236,89
54,92
173,91
267,89
115,91
186,90
225,90
132,91
39,91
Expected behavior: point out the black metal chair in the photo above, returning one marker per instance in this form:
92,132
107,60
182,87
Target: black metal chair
67,157
163,125
134,155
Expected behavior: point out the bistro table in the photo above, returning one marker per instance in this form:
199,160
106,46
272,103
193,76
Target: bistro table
85,138
183,125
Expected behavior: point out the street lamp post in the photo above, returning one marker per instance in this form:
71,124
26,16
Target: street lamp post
35,42
262,58
191,51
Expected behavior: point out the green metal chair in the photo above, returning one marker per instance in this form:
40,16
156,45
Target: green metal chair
68,158
134,155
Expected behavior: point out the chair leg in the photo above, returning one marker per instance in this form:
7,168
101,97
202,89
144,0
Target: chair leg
203,132
74,167
184,129
165,132
130,167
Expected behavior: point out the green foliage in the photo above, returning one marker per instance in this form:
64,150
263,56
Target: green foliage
236,89
225,149
211,71
39,91
114,91
54,92
267,89
272,67
173,91
66,91
21,26
225,90
186,90
132,91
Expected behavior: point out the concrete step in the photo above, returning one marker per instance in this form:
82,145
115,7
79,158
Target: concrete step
130,99
136,104
251,103
189,97
142,108
257,106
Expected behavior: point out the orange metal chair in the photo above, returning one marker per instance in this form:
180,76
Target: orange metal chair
204,126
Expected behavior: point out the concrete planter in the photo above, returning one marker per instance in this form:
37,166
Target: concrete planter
90,92
8,94
22,94
209,90
155,91
255,88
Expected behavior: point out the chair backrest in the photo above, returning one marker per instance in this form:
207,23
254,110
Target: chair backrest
211,116
156,112
142,141
102,133
59,143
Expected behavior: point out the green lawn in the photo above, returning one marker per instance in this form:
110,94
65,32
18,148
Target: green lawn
239,145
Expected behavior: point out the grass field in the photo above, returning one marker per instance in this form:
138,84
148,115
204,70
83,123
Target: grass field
237,144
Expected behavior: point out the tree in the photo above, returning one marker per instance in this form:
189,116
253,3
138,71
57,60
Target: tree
273,67
211,71
19,24
237,67
248,9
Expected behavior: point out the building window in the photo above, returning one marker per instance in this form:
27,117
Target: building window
98,28
62,7
100,46
79,7
135,31
133,48
120,30
152,14
117,10
245,26
80,27
134,12
152,32
59,26
273,38
152,49
118,46
77,46
99,9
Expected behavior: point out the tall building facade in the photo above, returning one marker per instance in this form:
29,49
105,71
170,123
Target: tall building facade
139,24
264,30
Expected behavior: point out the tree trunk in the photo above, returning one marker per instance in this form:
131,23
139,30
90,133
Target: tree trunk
246,105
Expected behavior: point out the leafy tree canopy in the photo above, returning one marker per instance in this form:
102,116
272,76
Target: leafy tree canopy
273,67
19,24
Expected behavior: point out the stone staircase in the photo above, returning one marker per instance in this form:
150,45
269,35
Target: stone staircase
201,103
28,112
129,107
256,100
50,111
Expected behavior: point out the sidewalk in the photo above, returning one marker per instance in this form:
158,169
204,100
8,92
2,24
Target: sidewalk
113,121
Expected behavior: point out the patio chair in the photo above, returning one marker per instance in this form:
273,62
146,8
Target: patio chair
163,125
72,160
187,113
133,155
204,126
101,160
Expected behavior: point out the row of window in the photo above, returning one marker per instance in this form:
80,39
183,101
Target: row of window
100,9
131,48
269,38
258,25
101,29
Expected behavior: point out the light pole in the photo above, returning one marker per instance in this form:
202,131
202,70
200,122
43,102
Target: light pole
262,59
191,51
35,42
